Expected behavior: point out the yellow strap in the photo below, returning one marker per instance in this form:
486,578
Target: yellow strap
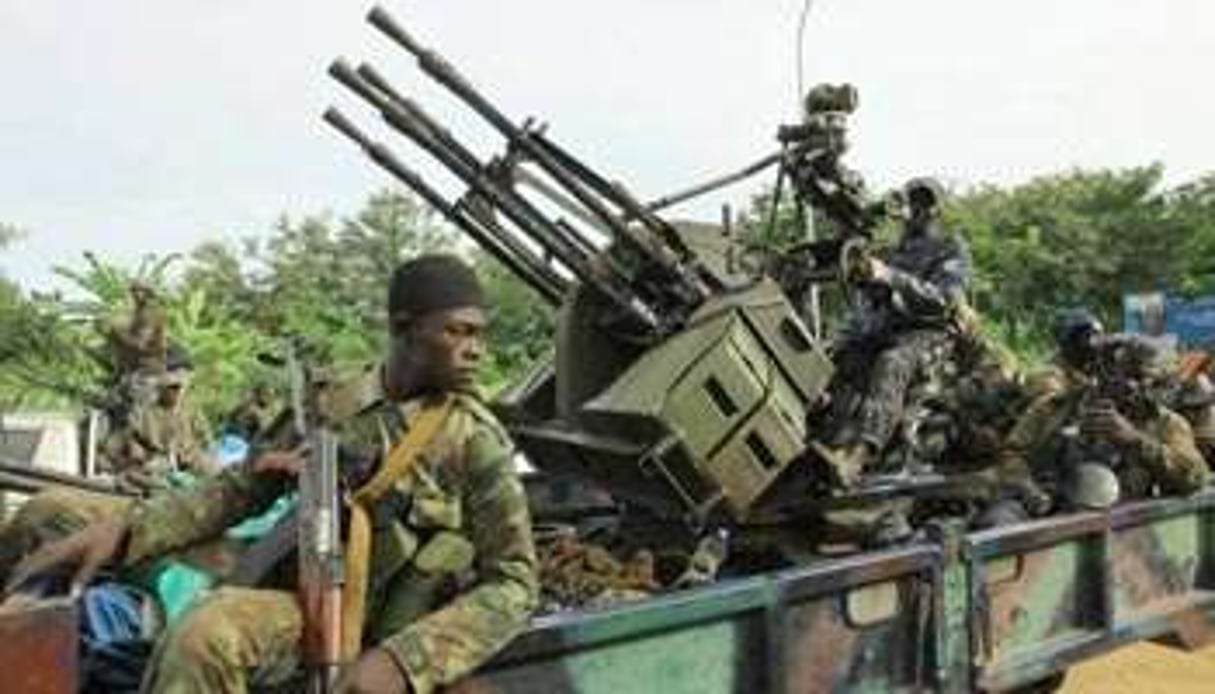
400,461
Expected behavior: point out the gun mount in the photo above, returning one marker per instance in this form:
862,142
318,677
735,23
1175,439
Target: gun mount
680,381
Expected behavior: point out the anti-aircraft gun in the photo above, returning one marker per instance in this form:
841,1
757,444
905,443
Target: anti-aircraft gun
679,382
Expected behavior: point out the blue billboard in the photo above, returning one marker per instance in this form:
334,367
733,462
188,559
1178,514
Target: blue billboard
1191,322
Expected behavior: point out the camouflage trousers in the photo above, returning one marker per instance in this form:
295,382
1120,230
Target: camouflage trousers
883,376
232,640
236,639
49,516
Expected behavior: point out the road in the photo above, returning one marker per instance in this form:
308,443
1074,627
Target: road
1145,669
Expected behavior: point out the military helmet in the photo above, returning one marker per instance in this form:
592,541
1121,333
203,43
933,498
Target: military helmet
924,190
1091,486
1075,327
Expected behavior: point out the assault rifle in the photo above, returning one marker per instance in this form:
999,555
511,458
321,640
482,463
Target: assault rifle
319,532
29,480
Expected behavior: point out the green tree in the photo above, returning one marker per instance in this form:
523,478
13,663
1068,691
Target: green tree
1080,238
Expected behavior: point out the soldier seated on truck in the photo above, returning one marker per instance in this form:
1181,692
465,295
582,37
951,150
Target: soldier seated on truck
439,559
901,326
161,437
1195,400
1106,434
157,444
962,428
252,418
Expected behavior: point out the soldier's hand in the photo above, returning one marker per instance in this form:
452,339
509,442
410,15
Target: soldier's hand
1102,422
288,463
878,271
375,672
86,551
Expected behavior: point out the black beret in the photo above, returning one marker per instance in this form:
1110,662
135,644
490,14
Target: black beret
433,283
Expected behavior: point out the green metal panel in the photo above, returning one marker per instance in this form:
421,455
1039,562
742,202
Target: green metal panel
731,391
1155,565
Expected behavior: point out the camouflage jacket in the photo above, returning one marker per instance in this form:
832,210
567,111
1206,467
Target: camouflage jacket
929,275
453,568
156,440
137,342
1164,457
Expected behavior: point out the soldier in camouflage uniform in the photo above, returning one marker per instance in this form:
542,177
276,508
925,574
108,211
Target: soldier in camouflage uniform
161,437
453,568
252,417
157,439
1195,401
137,344
1148,447
901,326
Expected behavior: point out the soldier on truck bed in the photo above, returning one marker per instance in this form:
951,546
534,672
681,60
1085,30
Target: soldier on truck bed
158,443
901,325
1103,434
1195,400
440,560
164,436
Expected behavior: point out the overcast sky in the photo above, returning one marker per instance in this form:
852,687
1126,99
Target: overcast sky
151,125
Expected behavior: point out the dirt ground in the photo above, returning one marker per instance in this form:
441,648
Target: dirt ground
1145,669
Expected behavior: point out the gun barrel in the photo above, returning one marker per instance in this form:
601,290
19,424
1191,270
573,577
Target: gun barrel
672,264
32,480
516,208
439,142
496,241
713,184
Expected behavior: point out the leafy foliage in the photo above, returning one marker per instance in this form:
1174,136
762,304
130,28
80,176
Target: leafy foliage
316,278
1080,237
1076,238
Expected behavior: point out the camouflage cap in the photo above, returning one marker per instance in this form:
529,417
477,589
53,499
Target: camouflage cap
1138,356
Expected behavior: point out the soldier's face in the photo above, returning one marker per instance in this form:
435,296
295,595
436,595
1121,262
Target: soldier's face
440,351
922,206
170,395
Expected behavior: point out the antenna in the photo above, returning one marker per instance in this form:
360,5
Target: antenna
802,22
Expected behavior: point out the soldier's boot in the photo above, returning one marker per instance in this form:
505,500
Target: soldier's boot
891,528
845,464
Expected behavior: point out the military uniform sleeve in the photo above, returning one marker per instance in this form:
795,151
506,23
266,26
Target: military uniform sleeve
935,294
1173,457
195,457
1016,465
451,642
181,517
